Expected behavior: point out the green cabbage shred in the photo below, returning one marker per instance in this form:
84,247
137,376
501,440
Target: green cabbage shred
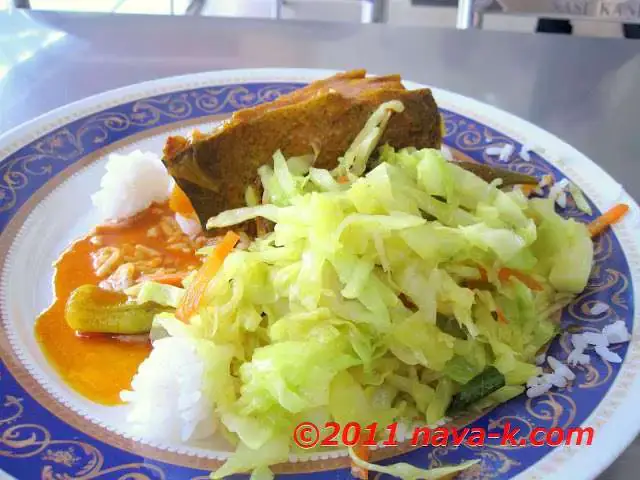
334,315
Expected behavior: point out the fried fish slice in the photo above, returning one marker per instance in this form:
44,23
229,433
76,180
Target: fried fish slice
351,83
215,171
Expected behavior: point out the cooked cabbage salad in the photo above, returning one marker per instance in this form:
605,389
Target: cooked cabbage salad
376,297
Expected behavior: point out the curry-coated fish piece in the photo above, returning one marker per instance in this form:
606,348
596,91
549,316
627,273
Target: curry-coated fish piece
351,83
215,170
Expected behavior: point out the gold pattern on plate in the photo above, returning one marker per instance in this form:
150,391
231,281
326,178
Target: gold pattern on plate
27,440
613,282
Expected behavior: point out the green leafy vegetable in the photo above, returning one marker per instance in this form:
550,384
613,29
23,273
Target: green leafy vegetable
356,279
490,174
160,294
563,247
450,326
365,302
478,387
580,199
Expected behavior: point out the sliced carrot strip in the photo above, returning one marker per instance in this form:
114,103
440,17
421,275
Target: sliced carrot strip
174,279
483,274
506,273
501,317
611,216
343,179
179,202
362,452
195,292
528,189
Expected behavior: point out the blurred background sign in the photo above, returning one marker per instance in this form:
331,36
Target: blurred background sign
613,10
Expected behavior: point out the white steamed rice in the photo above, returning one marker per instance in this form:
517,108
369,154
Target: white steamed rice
167,400
132,183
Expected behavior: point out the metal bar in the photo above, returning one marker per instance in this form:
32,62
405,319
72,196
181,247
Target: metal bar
374,11
464,19
195,7
277,10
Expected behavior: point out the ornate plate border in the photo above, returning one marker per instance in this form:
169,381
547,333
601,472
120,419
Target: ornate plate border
34,147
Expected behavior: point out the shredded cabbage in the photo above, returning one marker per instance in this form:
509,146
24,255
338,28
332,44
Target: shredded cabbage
360,304
409,472
355,158
580,199
166,295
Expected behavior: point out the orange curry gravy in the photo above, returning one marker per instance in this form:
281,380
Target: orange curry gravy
100,366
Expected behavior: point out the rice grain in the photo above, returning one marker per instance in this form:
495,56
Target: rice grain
106,260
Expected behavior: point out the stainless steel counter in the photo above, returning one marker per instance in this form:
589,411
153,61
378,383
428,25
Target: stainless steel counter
586,91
